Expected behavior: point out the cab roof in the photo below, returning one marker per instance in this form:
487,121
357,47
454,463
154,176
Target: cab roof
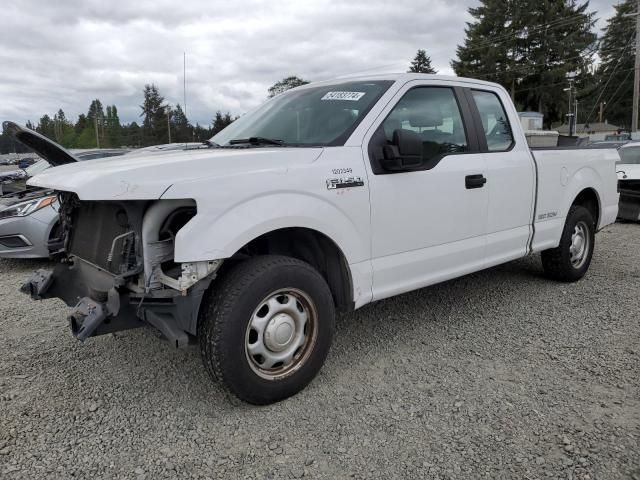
403,78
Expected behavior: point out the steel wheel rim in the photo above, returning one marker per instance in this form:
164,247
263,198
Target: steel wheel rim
580,245
281,333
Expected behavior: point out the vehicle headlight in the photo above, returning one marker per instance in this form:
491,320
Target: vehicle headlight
27,208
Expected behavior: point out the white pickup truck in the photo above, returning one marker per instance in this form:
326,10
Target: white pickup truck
327,197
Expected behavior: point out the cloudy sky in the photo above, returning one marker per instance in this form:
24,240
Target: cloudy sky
62,54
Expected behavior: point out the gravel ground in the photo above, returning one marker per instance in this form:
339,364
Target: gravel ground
500,374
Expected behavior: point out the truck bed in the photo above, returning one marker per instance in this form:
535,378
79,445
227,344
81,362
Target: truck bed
561,171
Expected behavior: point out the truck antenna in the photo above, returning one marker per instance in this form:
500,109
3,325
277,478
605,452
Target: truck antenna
184,81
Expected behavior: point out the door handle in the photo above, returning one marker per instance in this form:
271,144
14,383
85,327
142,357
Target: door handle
474,181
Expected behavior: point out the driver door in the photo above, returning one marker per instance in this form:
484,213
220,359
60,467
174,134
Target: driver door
428,222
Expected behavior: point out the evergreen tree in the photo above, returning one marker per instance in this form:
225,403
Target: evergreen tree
154,113
46,127
81,124
90,129
615,73
202,133
221,121
113,135
422,63
95,110
529,47
180,125
63,129
131,135
86,138
285,84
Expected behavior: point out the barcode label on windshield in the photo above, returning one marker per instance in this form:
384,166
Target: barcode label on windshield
349,96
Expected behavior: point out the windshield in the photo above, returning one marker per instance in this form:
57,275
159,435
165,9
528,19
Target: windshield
319,116
38,167
630,155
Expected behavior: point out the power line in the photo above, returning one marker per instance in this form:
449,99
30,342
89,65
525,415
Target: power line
497,40
531,66
561,22
619,86
574,18
607,83
611,104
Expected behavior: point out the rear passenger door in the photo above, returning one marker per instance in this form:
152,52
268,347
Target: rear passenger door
428,223
510,175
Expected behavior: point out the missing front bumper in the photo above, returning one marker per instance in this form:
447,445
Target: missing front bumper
86,318
100,306
38,284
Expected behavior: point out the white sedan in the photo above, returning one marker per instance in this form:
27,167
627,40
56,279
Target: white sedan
628,169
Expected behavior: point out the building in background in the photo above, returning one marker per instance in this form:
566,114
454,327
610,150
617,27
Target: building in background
596,131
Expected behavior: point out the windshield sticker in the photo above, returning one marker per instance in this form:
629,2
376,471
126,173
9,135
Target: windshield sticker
349,96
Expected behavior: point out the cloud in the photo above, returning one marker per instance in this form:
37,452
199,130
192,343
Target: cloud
63,54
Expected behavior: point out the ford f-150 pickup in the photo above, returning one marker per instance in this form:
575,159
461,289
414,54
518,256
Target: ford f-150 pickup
327,197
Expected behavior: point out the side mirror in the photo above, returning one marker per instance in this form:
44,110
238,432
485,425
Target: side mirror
405,152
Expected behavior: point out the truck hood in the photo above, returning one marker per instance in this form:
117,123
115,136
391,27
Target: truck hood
148,176
47,149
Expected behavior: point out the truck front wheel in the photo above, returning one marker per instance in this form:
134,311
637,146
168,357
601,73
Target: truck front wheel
266,328
570,260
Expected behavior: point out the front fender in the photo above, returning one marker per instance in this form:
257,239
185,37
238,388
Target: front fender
211,235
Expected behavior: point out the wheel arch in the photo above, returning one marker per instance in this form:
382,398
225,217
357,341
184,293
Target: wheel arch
311,246
589,199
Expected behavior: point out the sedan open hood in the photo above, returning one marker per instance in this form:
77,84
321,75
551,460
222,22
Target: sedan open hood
47,149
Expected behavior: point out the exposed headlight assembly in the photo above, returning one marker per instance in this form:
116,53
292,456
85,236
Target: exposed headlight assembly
27,208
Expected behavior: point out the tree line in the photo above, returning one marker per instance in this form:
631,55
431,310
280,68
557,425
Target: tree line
100,127
531,48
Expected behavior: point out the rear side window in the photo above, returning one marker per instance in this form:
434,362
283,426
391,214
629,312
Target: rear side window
495,123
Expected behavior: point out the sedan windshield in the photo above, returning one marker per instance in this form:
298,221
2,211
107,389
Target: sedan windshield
312,116
630,155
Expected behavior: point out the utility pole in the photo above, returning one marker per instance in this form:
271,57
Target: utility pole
571,116
168,121
636,77
184,81
602,104
95,124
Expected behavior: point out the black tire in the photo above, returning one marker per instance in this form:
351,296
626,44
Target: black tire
232,304
557,262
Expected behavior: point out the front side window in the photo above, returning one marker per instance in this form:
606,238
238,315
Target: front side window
316,116
495,124
431,113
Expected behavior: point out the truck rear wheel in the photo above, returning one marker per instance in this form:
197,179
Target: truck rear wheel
266,328
570,260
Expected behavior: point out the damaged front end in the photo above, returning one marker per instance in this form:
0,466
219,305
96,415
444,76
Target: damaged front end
116,268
